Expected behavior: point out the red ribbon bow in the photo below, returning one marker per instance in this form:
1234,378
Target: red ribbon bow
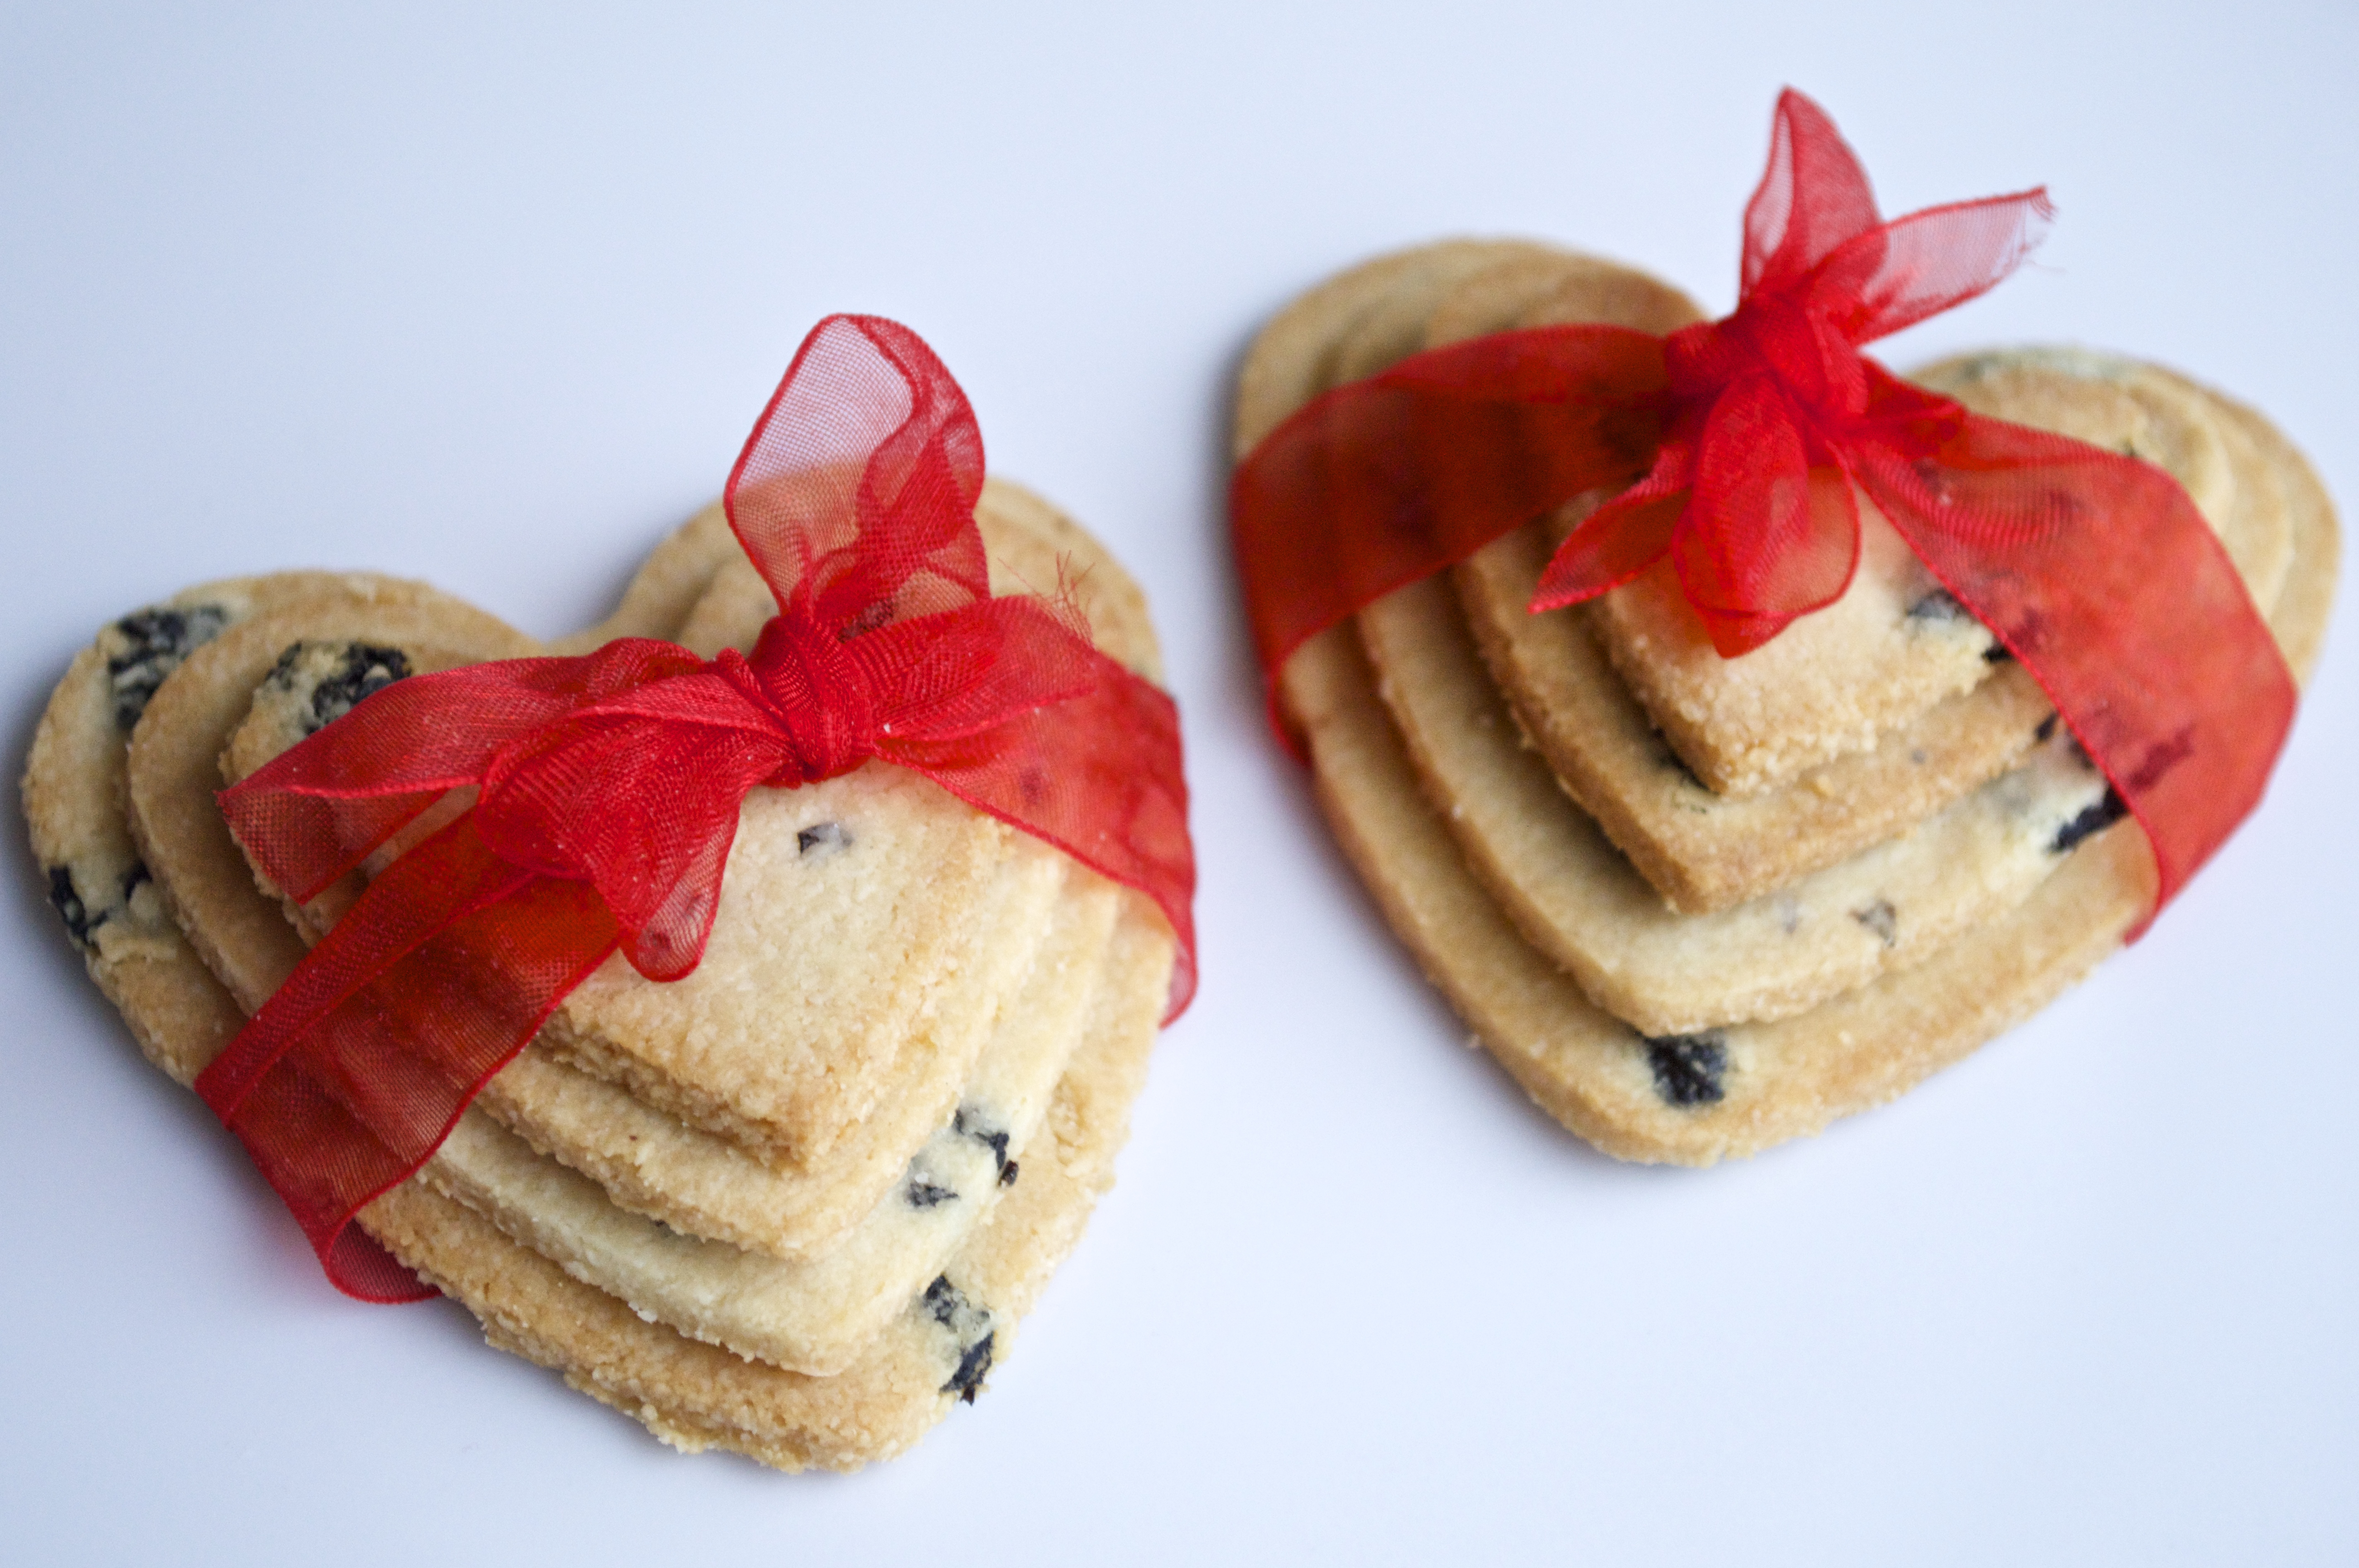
609,786
1743,442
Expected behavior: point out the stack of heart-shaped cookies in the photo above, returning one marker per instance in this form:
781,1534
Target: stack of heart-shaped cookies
1696,905
792,1205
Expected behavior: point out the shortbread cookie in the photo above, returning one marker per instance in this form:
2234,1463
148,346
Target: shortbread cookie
809,1315
73,784
1697,1099
698,1183
682,1175
942,1348
1700,1097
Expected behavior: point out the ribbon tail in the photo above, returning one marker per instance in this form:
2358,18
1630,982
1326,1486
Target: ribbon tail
1097,775
355,1070
2091,567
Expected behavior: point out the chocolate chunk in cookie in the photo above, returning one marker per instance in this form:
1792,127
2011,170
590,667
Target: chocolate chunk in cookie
147,645
1689,1067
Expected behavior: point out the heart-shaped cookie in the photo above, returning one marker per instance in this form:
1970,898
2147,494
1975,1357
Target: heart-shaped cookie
1517,905
904,1296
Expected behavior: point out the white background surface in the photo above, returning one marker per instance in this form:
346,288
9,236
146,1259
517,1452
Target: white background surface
494,299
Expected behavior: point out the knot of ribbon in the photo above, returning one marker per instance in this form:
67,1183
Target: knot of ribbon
1740,447
607,788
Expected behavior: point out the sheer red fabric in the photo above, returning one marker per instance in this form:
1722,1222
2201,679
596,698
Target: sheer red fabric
609,785
1738,447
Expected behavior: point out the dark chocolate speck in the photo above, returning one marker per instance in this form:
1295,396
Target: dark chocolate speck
1689,1067
2095,819
826,838
366,670
159,639
948,1307
1882,919
80,921
1941,604
924,1194
972,1368
968,1123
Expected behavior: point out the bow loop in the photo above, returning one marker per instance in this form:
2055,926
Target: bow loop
1813,199
1900,272
1770,533
856,489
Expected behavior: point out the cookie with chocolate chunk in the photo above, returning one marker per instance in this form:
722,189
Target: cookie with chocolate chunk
861,1343
1465,839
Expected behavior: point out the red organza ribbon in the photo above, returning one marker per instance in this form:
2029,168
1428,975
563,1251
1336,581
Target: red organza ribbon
1738,446
609,786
